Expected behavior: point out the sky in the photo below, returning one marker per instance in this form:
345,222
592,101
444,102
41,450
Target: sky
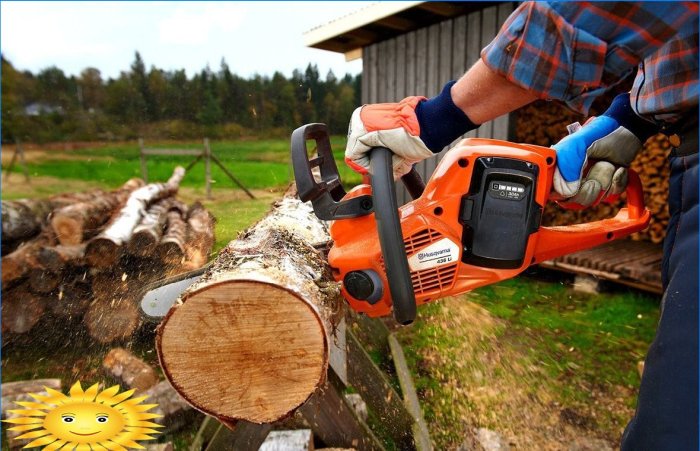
253,37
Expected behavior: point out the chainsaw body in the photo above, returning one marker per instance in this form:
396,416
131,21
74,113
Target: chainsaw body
476,222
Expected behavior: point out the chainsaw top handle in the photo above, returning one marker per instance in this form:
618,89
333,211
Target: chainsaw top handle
390,235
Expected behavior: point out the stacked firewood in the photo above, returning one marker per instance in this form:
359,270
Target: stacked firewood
544,123
88,257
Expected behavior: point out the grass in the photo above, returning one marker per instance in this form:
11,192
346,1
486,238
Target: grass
532,360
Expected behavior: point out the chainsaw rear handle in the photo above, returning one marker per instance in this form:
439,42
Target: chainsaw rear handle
562,240
386,214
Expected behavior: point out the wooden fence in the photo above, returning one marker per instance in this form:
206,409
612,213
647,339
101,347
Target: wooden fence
204,153
329,414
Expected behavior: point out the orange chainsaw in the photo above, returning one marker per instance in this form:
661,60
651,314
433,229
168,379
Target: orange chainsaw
476,221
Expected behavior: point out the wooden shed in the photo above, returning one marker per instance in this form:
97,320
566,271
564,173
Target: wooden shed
414,48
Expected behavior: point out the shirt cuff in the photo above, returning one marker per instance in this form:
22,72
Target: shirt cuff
538,50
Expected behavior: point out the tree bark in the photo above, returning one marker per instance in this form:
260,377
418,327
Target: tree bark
82,220
171,249
106,248
200,236
57,258
250,340
148,233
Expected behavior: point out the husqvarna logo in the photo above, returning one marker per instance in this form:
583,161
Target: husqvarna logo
425,255
441,252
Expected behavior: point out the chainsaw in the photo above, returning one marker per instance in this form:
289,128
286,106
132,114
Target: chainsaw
476,222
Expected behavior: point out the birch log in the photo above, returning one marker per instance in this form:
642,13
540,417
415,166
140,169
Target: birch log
148,233
105,249
81,220
200,236
250,340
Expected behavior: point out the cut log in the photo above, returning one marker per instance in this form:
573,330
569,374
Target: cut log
200,236
111,319
43,281
250,340
72,300
21,310
57,258
82,220
106,248
171,249
291,440
148,233
17,264
129,370
13,392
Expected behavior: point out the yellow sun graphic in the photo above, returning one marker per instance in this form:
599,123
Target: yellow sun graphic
86,420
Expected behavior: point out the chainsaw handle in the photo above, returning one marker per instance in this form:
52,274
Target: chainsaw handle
561,240
386,214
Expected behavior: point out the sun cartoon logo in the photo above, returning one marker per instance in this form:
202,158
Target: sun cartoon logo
85,420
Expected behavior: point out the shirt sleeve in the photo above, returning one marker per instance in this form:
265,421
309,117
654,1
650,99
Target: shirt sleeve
575,51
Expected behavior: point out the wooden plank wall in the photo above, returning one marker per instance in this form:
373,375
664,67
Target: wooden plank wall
422,61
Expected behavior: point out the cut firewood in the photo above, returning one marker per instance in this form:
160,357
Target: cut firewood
81,220
22,219
106,248
129,370
72,299
56,258
111,319
43,281
148,233
171,249
250,340
17,264
200,236
21,310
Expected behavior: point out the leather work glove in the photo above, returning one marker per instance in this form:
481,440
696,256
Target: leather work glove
414,129
614,139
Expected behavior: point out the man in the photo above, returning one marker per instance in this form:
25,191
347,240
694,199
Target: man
573,52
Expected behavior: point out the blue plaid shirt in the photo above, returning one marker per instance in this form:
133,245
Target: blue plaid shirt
575,51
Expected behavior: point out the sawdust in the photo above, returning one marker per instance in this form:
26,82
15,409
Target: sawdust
486,379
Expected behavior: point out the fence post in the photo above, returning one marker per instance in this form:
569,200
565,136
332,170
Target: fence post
207,166
144,168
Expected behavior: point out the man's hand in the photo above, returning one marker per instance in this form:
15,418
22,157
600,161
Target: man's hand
391,125
613,140
413,129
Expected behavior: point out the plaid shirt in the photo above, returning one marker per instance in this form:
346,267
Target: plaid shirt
575,51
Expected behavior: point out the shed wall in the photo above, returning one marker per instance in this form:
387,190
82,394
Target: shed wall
422,61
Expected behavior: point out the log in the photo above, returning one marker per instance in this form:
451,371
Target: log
106,248
18,263
148,233
200,236
43,281
250,340
57,258
82,220
289,440
22,219
21,310
171,249
72,300
129,370
111,319
13,392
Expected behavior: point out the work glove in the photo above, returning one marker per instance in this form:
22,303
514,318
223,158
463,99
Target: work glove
414,129
612,141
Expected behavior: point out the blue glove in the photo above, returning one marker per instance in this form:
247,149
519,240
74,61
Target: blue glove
613,139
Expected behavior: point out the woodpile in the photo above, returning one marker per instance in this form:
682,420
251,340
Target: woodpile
544,123
85,258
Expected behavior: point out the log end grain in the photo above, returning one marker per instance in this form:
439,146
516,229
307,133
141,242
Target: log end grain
21,311
68,229
111,320
265,346
102,252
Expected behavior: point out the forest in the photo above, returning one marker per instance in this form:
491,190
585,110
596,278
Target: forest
154,103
